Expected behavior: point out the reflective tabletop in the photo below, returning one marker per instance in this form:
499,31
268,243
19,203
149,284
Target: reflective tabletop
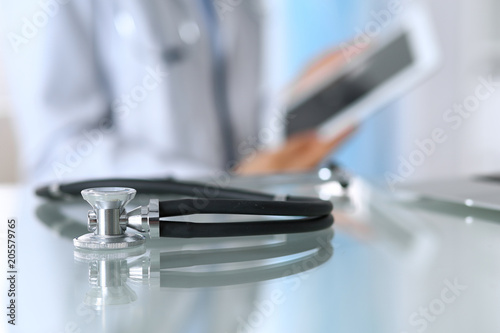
391,263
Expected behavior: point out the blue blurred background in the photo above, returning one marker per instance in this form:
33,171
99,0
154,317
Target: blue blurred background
316,26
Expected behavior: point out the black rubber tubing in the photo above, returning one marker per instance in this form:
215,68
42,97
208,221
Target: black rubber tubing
245,207
234,229
155,186
216,200
305,206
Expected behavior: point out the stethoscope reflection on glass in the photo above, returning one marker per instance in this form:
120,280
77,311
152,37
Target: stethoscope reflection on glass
110,273
108,220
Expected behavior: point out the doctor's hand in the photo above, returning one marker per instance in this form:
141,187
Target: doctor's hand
304,151
300,153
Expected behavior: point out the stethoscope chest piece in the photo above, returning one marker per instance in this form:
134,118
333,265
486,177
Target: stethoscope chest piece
106,220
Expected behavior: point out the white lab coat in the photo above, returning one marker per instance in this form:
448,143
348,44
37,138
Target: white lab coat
151,82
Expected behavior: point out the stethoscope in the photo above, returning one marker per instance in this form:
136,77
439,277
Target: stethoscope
108,220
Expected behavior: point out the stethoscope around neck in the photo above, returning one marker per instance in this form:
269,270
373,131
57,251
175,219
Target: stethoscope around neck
186,33
147,39
108,220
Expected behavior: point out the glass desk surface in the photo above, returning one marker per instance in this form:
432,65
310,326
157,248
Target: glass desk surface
390,264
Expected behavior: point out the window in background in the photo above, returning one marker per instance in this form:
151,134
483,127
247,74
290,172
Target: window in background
316,26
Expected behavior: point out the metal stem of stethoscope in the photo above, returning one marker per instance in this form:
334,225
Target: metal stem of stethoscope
108,220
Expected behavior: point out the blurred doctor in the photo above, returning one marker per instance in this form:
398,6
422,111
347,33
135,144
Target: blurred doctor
152,88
